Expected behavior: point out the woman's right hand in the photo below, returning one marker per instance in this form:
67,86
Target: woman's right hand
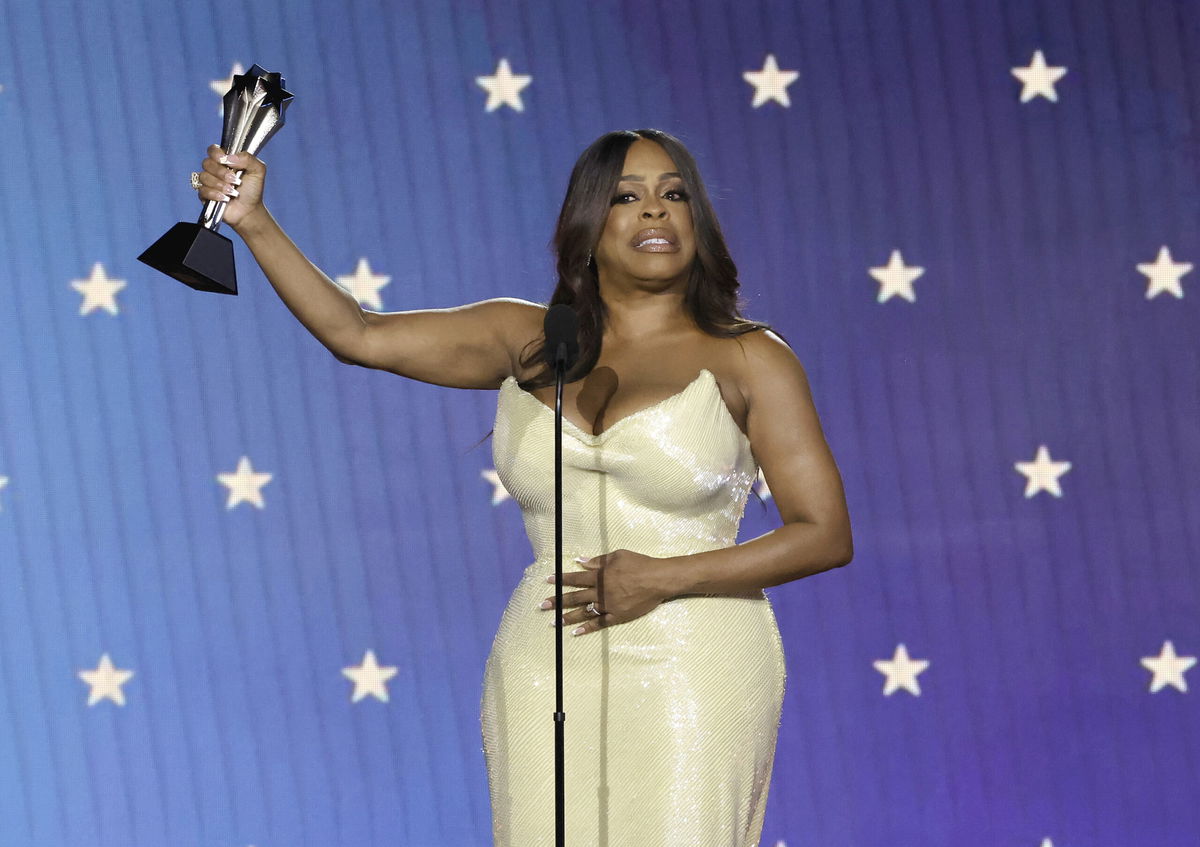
244,198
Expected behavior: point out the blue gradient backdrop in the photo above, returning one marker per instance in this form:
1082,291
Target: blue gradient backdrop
905,132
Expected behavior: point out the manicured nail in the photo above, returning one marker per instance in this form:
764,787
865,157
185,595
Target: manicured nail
582,559
545,604
231,192
550,579
225,160
577,631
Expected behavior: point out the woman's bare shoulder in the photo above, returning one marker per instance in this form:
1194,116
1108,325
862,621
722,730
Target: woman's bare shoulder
764,347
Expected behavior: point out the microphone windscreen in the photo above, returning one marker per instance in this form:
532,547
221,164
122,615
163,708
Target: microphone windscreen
561,327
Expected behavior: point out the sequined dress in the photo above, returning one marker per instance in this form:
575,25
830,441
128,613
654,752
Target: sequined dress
672,717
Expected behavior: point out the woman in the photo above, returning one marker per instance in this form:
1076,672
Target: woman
674,686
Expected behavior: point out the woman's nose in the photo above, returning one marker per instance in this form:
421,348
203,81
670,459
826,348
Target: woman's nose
656,210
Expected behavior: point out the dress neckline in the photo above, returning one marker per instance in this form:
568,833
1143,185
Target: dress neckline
593,437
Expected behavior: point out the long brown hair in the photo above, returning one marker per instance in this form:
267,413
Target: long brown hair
711,297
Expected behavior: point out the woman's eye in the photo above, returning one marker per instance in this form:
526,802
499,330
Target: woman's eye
674,194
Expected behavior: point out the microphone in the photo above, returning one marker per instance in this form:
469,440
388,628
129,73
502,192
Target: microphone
561,328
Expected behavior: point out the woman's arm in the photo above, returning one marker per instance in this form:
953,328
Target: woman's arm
789,444
471,346
326,309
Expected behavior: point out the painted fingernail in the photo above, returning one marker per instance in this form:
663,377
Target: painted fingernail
550,578
225,160
582,559
545,604
232,192
577,631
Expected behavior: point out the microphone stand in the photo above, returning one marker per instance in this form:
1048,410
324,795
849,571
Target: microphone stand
560,717
561,328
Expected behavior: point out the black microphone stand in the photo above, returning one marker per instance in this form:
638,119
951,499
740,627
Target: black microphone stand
560,717
561,328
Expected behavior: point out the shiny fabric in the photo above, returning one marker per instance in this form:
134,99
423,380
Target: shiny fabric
672,717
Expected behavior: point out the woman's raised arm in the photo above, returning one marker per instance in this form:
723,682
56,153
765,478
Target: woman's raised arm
471,346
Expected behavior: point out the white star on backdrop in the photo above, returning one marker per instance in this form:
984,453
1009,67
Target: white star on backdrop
1046,842
369,678
499,492
244,484
1165,275
896,278
222,86
1168,668
504,88
770,83
106,682
901,672
1038,79
364,286
99,292
1042,474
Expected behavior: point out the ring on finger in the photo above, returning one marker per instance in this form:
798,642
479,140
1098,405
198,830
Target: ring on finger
591,607
196,179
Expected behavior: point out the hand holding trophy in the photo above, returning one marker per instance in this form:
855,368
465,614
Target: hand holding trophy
195,253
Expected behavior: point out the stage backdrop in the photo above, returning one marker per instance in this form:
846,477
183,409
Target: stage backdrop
247,592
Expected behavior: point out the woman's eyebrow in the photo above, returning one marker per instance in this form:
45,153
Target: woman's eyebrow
640,178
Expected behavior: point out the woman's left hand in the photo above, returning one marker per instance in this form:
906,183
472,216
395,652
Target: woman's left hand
624,585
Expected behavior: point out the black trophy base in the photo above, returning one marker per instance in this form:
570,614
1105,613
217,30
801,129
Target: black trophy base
195,256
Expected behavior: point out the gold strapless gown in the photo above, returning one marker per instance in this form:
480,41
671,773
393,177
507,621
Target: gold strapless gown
672,717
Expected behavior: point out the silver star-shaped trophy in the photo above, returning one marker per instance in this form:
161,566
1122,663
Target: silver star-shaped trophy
195,253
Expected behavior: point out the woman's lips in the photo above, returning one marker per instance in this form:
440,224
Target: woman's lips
657,246
655,241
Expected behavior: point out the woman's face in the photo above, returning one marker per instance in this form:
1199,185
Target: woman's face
648,235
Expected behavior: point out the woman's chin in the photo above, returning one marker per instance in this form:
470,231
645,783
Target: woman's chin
661,270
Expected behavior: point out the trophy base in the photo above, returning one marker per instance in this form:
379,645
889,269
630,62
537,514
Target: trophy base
195,256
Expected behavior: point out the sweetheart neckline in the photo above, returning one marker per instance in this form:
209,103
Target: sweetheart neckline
617,424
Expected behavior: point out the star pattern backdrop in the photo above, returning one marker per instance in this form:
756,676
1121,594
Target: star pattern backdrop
247,592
